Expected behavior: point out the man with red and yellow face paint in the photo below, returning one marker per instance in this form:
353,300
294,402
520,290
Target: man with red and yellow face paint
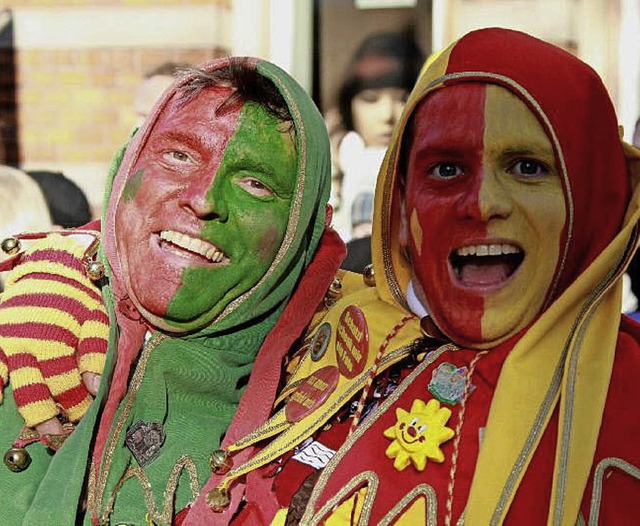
484,212
483,374
217,251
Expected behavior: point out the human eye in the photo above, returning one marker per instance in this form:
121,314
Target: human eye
445,170
369,95
528,168
177,157
254,187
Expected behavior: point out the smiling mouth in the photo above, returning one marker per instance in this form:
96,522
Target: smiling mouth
409,441
181,243
485,265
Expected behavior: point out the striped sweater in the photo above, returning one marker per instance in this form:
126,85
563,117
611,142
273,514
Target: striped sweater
53,328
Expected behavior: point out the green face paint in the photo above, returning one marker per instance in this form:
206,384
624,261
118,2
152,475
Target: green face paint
252,193
210,212
132,185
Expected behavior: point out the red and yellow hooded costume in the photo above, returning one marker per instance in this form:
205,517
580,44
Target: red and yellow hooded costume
547,427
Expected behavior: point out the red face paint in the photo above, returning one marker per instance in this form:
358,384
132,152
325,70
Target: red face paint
484,212
439,206
166,195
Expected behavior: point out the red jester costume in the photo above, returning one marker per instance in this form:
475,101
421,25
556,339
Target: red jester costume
486,375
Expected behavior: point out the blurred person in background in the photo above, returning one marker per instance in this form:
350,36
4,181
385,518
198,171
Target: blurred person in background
381,74
359,247
68,204
153,85
24,207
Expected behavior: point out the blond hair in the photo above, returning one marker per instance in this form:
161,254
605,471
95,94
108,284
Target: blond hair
23,207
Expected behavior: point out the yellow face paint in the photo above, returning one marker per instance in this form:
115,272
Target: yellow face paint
416,231
522,199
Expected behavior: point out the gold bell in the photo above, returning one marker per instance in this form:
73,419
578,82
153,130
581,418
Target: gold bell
95,270
17,459
218,500
220,462
10,245
334,292
368,276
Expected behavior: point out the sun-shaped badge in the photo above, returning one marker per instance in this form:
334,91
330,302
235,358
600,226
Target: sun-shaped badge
417,434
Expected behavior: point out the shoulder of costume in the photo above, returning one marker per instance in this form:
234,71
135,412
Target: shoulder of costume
348,335
81,242
359,336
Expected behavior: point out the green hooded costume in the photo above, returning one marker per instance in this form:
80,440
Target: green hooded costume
180,389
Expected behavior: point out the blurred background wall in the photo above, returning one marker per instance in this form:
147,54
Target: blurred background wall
69,69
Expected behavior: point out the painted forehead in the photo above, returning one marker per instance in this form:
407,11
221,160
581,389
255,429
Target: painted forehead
457,109
211,103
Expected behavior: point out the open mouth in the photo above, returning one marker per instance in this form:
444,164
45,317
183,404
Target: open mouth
182,243
485,265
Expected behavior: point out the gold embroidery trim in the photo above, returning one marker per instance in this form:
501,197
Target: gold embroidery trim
421,490
585,314
355,483
344,449
269,453
598,479
166,516
98,483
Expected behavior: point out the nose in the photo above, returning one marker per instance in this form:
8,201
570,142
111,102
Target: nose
387,109
485,198
204,200
412,431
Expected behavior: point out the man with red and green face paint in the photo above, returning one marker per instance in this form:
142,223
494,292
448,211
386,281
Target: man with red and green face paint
484,374
217,251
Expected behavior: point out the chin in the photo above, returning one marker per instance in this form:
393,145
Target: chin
490,339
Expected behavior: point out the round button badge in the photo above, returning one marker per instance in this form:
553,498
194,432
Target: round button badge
352,342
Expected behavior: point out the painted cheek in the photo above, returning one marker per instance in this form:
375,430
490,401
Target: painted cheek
457,311
132,186
444,217
267,245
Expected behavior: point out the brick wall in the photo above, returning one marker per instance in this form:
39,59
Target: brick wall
77,105
69,107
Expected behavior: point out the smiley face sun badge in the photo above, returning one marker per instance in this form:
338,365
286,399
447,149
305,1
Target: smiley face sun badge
417,435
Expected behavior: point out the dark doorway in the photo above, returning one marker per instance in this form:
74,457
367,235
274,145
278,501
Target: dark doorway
9,145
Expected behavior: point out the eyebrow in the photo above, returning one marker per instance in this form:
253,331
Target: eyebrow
536,150
185,138
438,151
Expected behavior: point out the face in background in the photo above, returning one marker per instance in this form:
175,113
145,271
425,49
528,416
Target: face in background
375,113
148,92
205,209
484,212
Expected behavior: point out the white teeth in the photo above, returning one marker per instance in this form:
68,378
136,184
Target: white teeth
487,250
198,246
510,249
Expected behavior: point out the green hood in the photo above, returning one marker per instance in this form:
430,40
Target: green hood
192,383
